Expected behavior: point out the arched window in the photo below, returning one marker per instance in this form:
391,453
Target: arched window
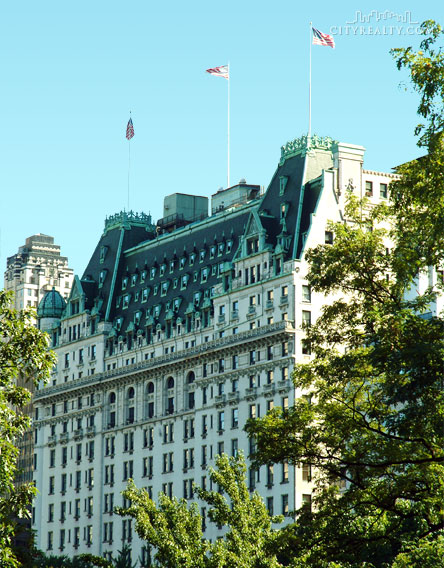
189,390
169,402
112,410
130,411
149,400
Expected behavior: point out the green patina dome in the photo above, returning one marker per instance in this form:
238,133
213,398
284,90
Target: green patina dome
52,305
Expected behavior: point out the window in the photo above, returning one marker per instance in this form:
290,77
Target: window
383,191
148,466
285,472
306,318
50,513
368,188
270,475
328,237
306,501
284,504
306,472
306,347
235,418
221,421
127,470
234,447
306,293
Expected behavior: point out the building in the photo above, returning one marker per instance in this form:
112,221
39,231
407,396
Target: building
175,335
35,269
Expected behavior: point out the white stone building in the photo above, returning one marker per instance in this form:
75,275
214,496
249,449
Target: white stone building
35,269
175,336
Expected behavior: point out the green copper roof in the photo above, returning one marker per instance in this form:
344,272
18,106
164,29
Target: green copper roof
52,305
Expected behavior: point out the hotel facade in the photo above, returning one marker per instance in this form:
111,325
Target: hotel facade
175,335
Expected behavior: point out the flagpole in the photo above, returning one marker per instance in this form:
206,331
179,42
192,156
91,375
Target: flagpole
309,84
129,164
228,153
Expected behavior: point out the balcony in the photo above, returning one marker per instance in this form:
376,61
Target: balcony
284,385
233,397
283,300
78,434
269,305
90,431
52,440
219,399
251,392
64,437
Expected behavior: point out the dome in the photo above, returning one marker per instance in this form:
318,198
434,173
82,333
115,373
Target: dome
52,305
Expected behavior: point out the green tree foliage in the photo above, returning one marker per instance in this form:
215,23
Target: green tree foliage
23,353
174,528
41,560
372,421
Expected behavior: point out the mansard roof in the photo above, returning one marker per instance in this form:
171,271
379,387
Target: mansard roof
138,278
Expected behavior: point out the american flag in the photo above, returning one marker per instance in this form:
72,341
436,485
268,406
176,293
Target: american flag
130,129
322,39
221,71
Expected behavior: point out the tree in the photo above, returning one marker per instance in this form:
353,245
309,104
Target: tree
372,420
23,353
174,528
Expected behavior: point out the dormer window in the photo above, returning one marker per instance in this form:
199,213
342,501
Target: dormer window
184,281
283,180
103,252
220,249
133,279
284,209
155,289
75,307
176,304
118,300
145,294
214,269
202,255
157,310
192,258
153,272
196,298
143,276
229,246
124,283
182,262
162,269
212,251
137,317
175,282
172,265
253,245
204,274
126,301
118,323
164,288
102,277
195,276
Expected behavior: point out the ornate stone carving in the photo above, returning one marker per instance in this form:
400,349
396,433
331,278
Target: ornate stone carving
305,144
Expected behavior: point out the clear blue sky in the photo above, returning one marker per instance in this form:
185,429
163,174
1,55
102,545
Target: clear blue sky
71,72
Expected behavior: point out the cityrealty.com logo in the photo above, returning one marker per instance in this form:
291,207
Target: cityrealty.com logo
378,23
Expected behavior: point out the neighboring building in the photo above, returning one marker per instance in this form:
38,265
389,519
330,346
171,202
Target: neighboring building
35,269
178,333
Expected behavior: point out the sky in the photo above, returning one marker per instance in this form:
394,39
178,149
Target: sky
72,72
